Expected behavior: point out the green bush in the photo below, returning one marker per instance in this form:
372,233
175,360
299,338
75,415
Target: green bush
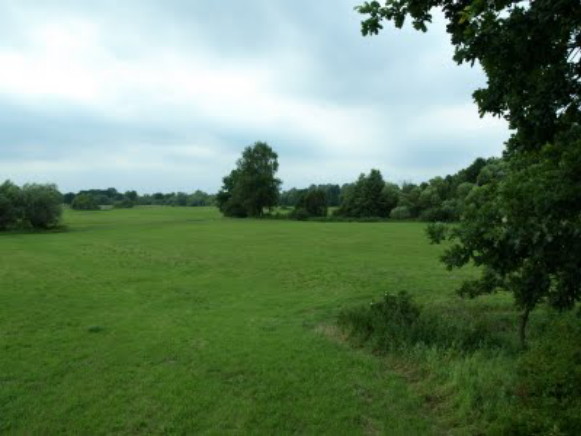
548,386
397,322
42,205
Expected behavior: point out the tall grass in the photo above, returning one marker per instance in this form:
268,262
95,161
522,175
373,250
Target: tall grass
469,369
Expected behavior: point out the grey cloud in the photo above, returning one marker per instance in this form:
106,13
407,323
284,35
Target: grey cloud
397,76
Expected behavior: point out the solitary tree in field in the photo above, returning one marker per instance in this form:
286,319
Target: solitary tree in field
252,186
523,227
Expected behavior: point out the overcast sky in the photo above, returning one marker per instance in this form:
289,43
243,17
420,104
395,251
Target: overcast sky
164,95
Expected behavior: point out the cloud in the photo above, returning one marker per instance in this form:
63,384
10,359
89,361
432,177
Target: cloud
153,95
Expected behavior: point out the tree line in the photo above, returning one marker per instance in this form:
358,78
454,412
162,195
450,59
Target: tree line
94,199
252,190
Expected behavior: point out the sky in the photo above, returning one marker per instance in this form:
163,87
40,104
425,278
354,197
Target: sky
164,95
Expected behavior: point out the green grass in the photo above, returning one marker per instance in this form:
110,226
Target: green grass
175,320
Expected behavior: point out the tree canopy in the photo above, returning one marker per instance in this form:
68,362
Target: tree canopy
522,223
252,186
368,197
34,205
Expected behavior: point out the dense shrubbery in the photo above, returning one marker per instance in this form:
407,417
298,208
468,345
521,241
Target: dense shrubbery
397,322
539,389
548,383
34,205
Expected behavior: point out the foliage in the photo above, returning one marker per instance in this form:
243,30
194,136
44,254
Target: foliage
367,198
42,205
332,194
312,203
522,224
10,205
252,186
84,201
524,227
398,323
528,50
124,203
400,213
548,384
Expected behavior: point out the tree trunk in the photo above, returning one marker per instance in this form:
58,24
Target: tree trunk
523,326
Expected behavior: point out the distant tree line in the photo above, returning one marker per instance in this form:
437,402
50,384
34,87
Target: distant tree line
252,190
33,205
370,196
94,199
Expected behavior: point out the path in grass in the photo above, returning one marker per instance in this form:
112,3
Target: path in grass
176,320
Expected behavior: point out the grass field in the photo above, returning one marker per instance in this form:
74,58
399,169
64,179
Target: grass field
175,320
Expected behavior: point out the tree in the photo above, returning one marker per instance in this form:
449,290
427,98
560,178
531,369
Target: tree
42,205
68,198
522,223
252,186
10,205
199,198
367,198
312,203
132,196
84,202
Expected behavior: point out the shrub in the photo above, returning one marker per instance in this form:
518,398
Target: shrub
548,388
42,205
389,323
397,322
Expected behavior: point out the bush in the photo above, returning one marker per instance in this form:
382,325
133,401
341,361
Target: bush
397,322
85,202
42,205
400,213
389,323
548,388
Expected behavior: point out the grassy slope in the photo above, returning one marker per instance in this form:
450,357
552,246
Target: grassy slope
160,319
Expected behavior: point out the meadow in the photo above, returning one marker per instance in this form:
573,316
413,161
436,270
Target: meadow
176,320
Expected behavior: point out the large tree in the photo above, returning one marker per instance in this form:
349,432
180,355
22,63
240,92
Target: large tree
252,186
523,226
367,198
